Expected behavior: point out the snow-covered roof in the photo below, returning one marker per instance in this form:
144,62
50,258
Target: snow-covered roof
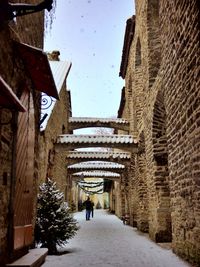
97,164
96,139
113,123
97,155
96,174
93,120
60,70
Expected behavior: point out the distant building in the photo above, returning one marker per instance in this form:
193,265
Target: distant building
54,121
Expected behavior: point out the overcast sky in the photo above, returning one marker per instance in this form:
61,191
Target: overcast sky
90,34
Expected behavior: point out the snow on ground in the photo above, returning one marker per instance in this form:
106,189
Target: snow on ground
105,242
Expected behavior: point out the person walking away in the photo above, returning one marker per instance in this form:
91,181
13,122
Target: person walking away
92,209
88,207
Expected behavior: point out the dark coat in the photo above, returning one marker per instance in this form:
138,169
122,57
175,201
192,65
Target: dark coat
88,204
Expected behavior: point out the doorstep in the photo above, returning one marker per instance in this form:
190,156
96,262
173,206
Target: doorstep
34,258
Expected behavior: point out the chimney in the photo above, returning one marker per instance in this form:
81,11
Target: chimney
54,55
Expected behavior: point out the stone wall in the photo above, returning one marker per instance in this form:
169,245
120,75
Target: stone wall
180,65
163,107
12,71
5,179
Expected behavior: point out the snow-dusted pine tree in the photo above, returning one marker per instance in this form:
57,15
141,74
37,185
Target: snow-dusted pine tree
54,223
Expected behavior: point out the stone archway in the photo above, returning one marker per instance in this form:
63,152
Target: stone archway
163,231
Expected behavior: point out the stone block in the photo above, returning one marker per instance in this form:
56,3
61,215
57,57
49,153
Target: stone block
34,258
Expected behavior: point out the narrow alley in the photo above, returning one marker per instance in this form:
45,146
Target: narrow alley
100,99
104,241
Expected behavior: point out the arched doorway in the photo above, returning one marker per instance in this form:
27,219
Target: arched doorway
163,232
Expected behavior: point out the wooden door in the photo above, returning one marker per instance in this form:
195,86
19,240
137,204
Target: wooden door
23,201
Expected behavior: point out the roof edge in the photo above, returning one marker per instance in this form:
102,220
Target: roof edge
122,103
128,37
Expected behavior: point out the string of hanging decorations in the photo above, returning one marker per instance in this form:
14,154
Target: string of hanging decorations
86,182
91,185
99,191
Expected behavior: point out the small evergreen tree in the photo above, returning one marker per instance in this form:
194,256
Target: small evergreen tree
54,223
